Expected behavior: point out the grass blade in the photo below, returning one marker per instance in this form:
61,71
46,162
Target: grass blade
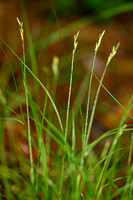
52,102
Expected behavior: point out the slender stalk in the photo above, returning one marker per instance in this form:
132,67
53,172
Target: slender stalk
70,85
27,103
114,50
68,110
89,92
47,93
31,53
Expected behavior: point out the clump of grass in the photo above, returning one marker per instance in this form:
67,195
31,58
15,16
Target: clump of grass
60,171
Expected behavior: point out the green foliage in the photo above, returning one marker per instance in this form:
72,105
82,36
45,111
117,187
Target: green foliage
99,8
97,5
62,170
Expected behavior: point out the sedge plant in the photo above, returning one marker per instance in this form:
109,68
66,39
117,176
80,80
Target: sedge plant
63,171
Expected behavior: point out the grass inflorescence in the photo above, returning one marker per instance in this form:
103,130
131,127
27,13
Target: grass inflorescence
54,168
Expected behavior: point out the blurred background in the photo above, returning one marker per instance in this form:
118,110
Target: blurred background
49,27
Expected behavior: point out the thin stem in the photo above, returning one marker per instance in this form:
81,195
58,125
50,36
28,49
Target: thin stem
70,85
93,65
28,121
88,102
114,50
47,93
68,110
27,102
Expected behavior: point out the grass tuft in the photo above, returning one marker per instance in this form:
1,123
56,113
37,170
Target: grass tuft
61,163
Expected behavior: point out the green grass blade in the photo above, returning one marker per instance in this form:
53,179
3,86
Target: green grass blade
106,164
127,194
52,102
70,85
15,85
